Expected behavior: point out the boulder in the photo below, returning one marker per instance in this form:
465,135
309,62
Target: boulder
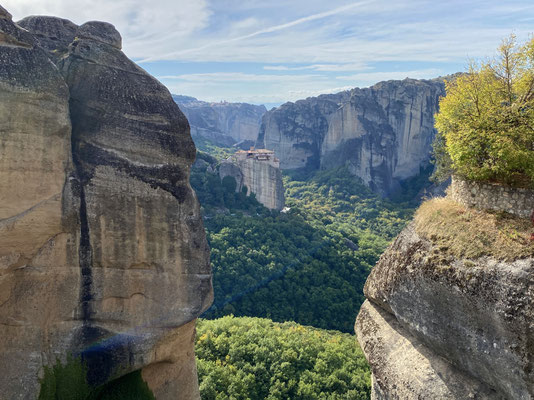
457,294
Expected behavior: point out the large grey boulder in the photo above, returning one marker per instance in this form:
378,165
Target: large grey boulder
405,369
53,34
474,312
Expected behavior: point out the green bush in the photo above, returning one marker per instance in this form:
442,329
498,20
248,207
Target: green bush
69,382
486,121
253,359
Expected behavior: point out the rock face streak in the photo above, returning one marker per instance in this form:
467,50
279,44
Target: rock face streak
460,330
223,123
263,178
102,248
383,134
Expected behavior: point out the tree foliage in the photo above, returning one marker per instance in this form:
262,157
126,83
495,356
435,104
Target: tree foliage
253,358
68,381
486,121
308,265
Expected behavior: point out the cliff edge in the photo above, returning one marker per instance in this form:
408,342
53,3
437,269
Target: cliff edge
383,133
449,305
259,172
103,254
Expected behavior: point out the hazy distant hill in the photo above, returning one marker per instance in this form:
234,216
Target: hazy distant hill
222,123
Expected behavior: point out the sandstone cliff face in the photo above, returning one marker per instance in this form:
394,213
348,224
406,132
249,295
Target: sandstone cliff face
260,177
223,123
383,133
448,327
102,248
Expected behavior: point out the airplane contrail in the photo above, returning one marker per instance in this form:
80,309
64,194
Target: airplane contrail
261,31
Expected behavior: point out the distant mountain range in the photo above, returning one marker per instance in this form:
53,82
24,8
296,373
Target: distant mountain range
383,133
222,123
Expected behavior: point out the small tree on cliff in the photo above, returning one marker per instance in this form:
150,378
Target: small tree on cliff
486,122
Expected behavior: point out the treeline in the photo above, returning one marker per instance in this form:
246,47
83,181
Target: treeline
253,358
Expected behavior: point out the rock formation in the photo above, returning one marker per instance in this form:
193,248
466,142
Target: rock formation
222,123
259,171
383,133
103,253
449,311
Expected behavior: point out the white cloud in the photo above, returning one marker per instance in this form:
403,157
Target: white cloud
141,23
238,77
306,47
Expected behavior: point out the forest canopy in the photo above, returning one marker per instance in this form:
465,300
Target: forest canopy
253,358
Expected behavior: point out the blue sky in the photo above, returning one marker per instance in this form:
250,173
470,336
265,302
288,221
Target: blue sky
272,51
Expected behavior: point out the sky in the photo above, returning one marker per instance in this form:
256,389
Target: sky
273,51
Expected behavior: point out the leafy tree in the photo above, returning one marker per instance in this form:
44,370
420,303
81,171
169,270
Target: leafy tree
308,265
486,121
253,358
69,382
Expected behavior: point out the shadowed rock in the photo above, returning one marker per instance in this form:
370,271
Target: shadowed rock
51,33
102,248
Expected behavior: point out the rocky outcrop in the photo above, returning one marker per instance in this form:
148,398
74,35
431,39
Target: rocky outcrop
382,133
102,248
261,177
222,123
440,325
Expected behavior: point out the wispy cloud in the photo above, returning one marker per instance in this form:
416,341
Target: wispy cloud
277,50
260,32
320,67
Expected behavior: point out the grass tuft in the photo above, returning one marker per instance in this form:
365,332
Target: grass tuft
469,233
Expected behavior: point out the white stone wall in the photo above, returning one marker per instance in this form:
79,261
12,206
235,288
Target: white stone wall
491,196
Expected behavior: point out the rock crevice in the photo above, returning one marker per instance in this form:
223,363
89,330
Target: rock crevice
465,321
80,119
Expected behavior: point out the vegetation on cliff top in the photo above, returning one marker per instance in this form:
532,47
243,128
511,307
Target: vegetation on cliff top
486,121
253,358
468,233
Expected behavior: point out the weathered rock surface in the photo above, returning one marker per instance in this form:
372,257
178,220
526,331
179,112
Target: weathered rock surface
404,368
263,178
38,228
51,33
102,248
475,314
223,123
383,133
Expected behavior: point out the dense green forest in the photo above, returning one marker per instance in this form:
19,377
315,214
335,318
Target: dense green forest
307,265
253,358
